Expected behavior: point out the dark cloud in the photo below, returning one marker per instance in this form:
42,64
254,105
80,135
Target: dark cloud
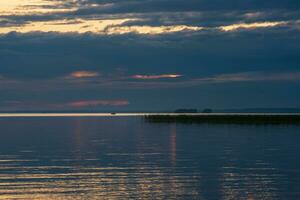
166,12
39,56
190,5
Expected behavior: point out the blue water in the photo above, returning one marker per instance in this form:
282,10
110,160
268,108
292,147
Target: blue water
127,158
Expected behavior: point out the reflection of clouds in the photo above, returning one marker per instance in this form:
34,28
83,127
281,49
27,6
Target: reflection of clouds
79,140
173,148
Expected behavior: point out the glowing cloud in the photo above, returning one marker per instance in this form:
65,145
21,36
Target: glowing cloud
83,74
96,24
151,30
103,27
25,7
93,103
66,26
115,27
138,76
235,27
75,25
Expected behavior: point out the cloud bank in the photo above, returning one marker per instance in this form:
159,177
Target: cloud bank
156,54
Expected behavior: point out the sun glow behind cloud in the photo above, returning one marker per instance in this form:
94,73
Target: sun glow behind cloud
95,26
25,7
116,27
73,24
66,26
67,20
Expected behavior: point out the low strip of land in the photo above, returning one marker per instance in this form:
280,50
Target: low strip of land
227,119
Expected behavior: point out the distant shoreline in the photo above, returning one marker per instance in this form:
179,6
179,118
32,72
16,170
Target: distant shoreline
188,118
237,118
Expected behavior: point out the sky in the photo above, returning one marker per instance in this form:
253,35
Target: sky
148,55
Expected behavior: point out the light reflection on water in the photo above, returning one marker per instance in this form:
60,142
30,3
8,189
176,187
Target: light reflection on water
126,158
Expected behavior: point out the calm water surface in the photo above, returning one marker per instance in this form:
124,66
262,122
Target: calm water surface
127,158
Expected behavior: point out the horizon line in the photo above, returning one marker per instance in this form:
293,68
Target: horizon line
17,115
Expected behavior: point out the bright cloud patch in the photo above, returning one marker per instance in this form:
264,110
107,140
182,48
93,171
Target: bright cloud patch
115,27
156,76
107,27
93,103
66,26
83,74
26,7
152,30
234,27
103,18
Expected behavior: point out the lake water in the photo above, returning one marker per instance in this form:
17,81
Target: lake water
127,158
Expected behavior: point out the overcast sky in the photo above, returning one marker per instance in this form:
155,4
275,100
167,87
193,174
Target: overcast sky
149,55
